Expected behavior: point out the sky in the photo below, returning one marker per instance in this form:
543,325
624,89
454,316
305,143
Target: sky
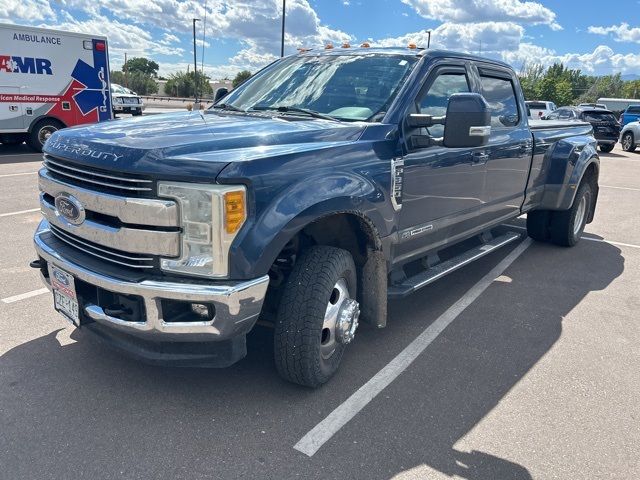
597,37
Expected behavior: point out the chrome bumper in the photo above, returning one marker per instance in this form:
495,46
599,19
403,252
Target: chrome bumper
237,304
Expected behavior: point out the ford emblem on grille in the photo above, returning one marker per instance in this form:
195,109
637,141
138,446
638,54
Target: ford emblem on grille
69,208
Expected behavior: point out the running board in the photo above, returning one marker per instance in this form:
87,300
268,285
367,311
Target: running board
439,270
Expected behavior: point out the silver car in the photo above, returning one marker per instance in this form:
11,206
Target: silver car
125,101
630,136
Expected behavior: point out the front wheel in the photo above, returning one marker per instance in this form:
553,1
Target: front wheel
628,142
566,227
607,147
317,316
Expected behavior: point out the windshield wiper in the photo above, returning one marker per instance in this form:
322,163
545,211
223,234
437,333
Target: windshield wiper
228,106
306,111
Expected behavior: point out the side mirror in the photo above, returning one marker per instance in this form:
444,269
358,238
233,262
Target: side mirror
220,93
468,121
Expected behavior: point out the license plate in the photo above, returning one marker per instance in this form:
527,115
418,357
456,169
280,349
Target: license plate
130,100
65,299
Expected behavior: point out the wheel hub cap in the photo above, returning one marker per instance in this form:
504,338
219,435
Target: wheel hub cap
347,321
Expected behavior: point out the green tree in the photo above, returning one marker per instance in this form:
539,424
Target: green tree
240,78
139,82
181,84
611,86
631,89
142,65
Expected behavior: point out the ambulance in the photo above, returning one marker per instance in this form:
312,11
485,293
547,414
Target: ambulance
50,79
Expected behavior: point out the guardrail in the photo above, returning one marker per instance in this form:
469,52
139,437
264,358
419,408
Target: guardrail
158,98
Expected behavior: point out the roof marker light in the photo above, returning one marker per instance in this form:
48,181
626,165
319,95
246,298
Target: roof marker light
413,46
328,46
346,45
365,45
100,46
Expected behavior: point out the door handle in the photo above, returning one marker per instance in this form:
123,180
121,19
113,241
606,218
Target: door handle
479,158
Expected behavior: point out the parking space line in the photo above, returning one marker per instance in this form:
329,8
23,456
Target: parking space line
17,174
24,296
620,188
338,418
19,212
600,240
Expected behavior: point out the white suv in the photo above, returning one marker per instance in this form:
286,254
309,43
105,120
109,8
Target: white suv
125,101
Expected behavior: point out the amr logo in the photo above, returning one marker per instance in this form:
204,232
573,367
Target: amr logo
38,66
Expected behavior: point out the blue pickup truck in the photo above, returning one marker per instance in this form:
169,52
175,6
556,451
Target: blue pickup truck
325,185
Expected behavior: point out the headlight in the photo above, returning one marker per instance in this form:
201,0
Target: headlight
117,100
211,216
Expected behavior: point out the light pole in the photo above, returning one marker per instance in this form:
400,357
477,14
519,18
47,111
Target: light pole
195,62
429,40
284,7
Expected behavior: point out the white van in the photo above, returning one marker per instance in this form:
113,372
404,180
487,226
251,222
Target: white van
49,80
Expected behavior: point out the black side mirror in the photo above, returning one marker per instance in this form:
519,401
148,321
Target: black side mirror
468,121
220,93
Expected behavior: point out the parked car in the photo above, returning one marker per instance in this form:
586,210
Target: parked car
327,183
631,114
538,109
630,136
606,128
126,101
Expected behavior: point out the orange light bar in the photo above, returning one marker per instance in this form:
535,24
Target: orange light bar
365,45
235,211
413,46
328,46
346,45
304,50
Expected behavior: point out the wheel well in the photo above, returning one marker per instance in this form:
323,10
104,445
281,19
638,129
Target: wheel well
45,117
350,231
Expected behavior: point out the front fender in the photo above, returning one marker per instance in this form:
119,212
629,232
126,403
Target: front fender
568,162
295,208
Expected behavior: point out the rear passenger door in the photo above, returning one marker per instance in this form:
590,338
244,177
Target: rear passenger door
510,146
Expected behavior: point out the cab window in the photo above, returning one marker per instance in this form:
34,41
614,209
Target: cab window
437,96
501,96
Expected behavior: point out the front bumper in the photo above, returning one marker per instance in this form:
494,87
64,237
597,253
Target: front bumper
237,307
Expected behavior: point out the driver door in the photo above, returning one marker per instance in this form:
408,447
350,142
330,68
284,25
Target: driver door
442,187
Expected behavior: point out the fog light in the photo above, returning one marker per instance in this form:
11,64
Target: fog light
202,310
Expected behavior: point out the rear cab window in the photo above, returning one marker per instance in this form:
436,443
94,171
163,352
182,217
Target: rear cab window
599,116
500,93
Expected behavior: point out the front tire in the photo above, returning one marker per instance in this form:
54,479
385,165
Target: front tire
317,316
607,147
628,142
41,132
566,227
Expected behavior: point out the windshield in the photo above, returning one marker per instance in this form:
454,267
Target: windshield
115,88
599,117
345,87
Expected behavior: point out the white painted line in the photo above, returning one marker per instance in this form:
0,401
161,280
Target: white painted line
621,188
23,296
17,174
600,240
327,428
19,213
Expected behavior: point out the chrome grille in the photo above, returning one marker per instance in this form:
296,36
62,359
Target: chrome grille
118,257
92,178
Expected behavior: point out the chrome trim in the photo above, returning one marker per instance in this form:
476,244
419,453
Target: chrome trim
95,182
397,179
132,240
235,302
138,211
89,249
51,160
480,131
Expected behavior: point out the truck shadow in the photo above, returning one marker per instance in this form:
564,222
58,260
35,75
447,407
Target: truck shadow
208,422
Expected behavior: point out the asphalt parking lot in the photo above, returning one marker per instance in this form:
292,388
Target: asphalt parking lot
522,365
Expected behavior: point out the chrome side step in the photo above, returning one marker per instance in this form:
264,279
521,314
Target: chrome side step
439,270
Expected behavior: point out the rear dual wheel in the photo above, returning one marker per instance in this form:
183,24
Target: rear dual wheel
565,227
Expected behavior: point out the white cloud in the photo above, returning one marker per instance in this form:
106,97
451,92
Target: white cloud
35,10
465,11
467,37
620,33
603,60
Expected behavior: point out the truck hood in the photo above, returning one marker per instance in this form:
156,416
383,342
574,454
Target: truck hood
185,145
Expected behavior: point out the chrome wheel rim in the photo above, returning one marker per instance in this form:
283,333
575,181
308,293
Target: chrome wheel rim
626,142
45,132
580,214
340,319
